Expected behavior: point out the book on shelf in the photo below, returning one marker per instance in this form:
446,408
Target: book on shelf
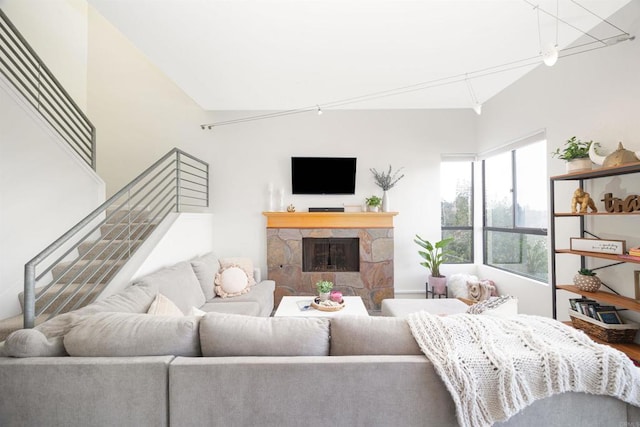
635,251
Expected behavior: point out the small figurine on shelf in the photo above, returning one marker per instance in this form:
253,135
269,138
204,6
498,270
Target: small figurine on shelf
584,200
291,208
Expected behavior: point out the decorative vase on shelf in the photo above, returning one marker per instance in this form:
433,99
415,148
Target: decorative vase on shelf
579,164
587,282
385,201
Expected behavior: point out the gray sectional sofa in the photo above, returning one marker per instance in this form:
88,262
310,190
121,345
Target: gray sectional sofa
112,364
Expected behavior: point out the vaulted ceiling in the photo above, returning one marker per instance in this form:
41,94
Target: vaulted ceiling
362,54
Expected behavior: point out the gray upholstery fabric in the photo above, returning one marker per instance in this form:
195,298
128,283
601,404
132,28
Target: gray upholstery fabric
178,283
235,335
33,343
80,392
359,335
133,299
132,334
308,391
261,292
247,308
205,268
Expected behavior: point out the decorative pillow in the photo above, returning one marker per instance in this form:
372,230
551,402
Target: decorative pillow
205,267
196,312
224,335
244,263
231,281
33,343
130,334
163,306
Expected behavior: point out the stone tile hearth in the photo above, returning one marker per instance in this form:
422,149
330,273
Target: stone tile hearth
373,282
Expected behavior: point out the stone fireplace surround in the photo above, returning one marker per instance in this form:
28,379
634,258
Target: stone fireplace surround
374,281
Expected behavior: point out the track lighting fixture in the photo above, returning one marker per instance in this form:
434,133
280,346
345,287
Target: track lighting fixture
319,110
550,54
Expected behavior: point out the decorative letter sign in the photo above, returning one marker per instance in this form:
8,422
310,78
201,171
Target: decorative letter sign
614,204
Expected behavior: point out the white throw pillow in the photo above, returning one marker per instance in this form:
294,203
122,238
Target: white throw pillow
196,312
244,263
231,281
163,306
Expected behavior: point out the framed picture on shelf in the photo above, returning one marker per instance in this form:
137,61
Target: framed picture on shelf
610,317
636,275
615,247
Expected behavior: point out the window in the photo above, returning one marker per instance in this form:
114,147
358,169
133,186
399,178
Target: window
515,211
456,188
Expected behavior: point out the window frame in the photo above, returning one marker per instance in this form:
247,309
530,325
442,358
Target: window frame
515,229
470,228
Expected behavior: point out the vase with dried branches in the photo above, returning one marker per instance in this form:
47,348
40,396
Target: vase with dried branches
386,181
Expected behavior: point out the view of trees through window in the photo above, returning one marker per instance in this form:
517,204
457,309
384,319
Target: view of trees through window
515,213
456,178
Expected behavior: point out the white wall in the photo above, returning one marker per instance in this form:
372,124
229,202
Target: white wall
596,96
140,115
44,190
57,31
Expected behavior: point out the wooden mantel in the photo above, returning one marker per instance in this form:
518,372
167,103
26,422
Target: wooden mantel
330,219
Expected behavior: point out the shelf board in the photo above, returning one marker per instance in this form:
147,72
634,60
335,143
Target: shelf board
630,349
569,214
608,297
617,258
600,172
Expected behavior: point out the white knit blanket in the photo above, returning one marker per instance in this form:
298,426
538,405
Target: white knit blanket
494,367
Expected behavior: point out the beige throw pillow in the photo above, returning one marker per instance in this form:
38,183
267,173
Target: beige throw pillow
163,306
244,263
231,281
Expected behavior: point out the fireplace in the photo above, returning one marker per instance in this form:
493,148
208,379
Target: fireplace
330,254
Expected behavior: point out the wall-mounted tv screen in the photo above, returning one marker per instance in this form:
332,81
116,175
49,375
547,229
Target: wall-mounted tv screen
323,175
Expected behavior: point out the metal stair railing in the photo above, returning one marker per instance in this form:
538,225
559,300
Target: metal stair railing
178,182
24,69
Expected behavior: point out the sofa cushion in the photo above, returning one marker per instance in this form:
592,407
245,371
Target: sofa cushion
163,306
223,335
247,308
262,294
231,282
244,263
205,268
131,334
33,343
132,299
178,283
376,335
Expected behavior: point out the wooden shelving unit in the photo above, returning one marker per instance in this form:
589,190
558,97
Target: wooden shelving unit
623,302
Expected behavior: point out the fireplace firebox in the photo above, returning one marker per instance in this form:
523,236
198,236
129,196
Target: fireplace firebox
330,254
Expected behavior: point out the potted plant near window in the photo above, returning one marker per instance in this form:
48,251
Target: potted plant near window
433,255
373,203
586,280
576,154
324,287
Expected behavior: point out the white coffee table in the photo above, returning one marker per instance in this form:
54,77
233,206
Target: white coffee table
288,307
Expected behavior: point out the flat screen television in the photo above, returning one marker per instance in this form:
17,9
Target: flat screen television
323,175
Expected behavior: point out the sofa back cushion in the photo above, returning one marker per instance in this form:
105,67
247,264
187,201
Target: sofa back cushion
132,334
205,268
375,335
178,283
133,299
223,335
33,343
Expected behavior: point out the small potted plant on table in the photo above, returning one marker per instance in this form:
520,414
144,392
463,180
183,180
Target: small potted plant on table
324,287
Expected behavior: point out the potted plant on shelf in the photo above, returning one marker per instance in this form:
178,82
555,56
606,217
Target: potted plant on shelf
324,287
373,203
433,255
586,280
386,181
576,154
